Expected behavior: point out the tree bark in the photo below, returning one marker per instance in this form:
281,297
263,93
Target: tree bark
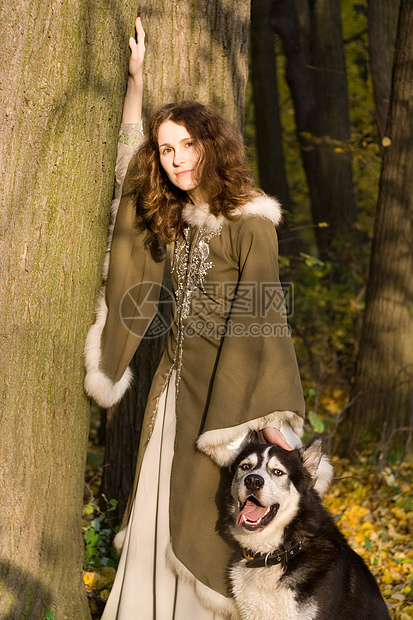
64,70
384,376
382,26
312,38
195,50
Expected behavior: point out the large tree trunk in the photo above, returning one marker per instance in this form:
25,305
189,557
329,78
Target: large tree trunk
197,50
382,24
194,51
312,38
64,70
384,376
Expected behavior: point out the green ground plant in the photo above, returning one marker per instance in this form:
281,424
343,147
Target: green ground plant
98,535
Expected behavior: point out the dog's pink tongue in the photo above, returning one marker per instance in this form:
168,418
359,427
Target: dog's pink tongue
251,511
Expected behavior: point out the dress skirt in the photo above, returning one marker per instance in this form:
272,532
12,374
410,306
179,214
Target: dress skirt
145,588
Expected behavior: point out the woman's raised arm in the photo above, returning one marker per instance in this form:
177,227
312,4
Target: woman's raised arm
132,106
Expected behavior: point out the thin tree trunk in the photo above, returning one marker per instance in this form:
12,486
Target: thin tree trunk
312,39
64,73
383,386
382,25
195,50
271,166
268,133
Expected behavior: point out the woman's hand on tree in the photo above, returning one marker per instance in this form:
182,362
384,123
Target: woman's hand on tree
137,49
132,105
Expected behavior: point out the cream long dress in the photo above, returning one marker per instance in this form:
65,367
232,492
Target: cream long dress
145,587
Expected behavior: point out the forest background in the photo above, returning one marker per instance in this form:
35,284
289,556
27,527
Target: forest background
327,124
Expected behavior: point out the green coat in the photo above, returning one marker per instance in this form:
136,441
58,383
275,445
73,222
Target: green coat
231,348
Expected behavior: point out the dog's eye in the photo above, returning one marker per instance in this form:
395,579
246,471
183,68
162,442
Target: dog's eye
245,466
278,472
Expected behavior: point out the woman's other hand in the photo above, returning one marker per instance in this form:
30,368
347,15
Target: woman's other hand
269,434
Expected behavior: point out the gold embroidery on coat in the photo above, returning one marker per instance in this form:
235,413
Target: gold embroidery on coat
191,267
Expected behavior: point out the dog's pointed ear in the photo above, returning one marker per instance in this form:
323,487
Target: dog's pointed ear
311,455
254,437
317,464
251,437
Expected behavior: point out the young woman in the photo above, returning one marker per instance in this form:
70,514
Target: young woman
189,205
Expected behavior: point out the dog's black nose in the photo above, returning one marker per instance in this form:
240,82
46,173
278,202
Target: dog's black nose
253,482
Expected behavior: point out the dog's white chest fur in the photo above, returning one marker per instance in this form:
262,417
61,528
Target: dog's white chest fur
259,594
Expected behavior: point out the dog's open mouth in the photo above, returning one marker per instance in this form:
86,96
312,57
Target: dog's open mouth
253,516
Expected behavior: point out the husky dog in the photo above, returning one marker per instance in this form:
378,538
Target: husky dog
294,563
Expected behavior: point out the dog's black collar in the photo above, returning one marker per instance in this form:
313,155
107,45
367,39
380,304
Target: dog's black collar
276,557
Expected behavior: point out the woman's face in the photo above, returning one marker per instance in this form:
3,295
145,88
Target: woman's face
179,157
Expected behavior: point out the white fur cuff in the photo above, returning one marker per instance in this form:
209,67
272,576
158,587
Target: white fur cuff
98,385
224,445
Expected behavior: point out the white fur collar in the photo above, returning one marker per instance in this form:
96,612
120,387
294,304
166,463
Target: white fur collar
263,206
200,215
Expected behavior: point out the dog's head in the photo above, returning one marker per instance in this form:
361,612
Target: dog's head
266,489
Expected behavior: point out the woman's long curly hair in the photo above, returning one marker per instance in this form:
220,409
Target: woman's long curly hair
222,170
